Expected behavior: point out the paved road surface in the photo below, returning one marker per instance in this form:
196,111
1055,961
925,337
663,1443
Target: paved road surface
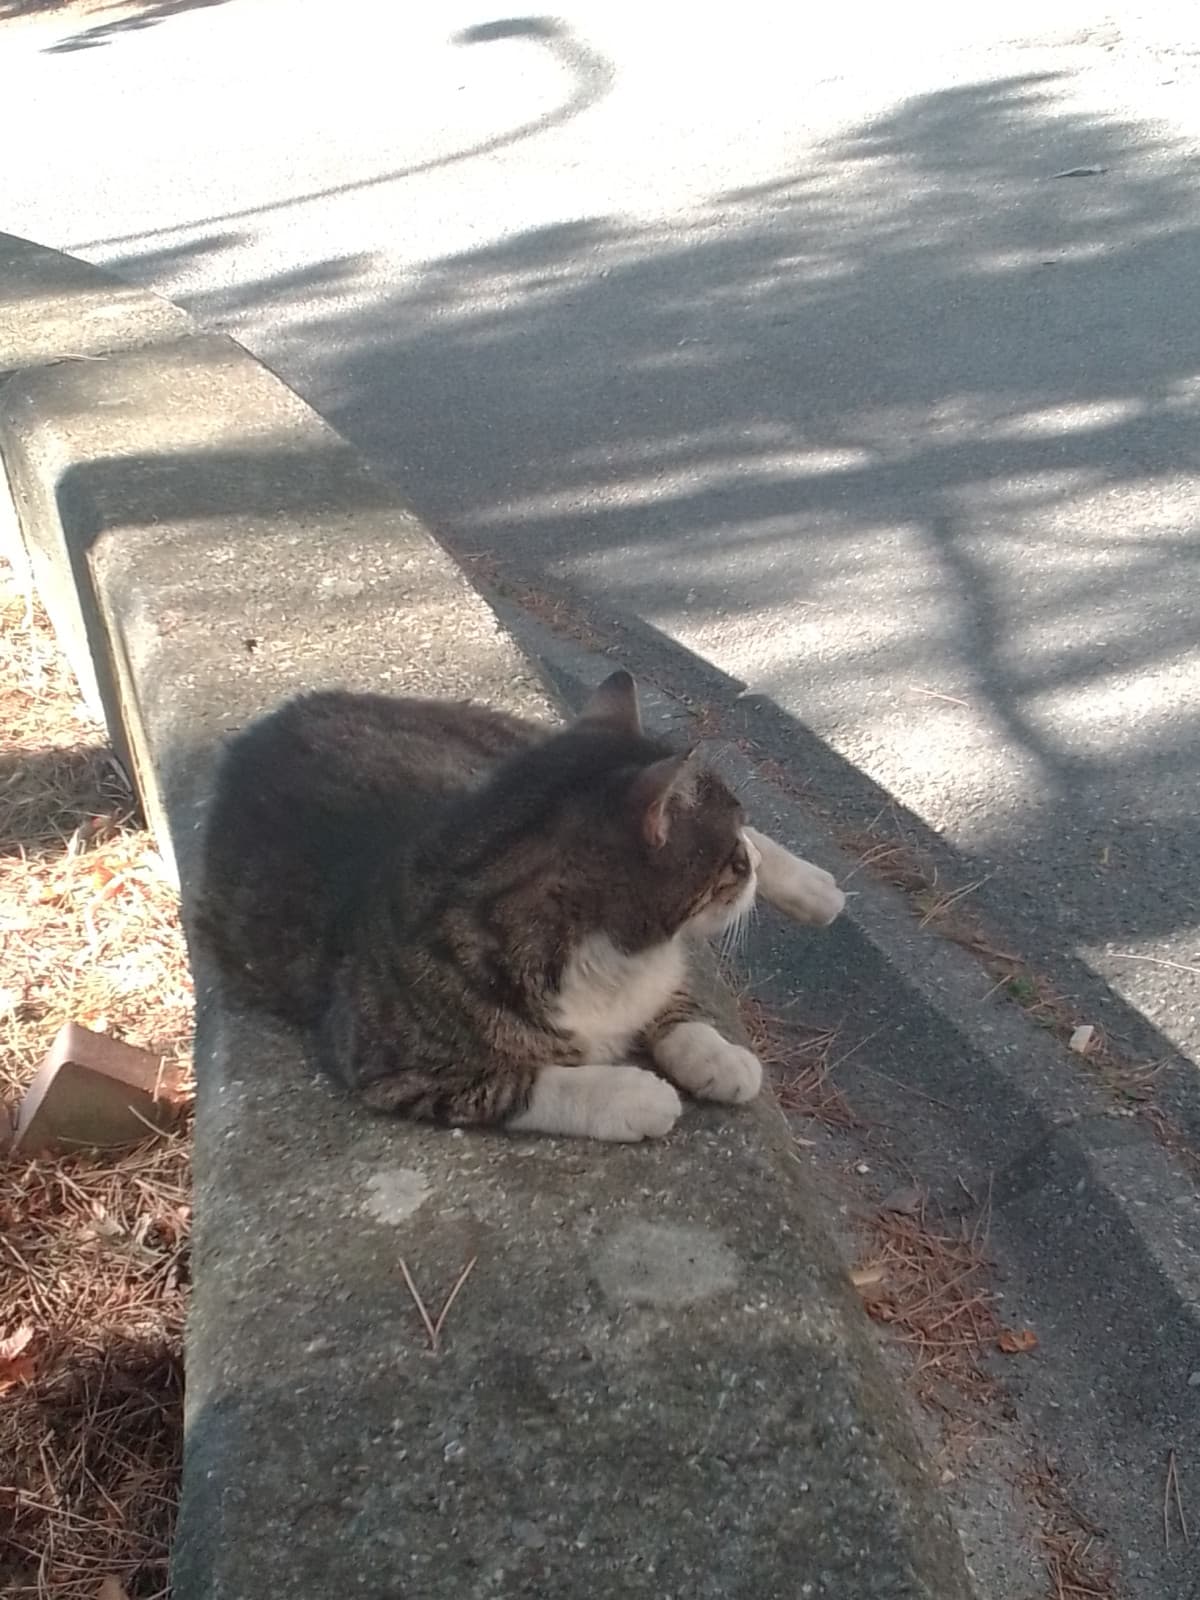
862,356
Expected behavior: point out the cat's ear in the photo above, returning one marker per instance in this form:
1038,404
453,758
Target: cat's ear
653,790
615,702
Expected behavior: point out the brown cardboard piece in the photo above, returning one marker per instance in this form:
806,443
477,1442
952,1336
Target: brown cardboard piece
93,1092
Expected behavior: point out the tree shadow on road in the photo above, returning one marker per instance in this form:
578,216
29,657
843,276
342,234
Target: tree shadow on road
106,21
588,73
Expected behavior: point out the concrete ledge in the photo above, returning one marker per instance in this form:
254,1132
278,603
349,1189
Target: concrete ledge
651,1383
58,312
653,1380
55,308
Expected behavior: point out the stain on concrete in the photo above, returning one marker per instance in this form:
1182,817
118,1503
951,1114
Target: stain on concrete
395,1193
664,1264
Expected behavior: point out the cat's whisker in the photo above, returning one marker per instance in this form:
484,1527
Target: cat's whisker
735,933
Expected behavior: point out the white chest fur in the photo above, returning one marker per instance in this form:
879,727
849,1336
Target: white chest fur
606,997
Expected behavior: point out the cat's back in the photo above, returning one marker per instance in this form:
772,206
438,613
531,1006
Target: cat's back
321,775
310,803
337,748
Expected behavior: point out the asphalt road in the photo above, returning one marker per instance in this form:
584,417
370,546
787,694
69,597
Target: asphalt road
860,355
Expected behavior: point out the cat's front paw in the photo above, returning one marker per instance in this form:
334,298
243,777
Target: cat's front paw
798,888
638,1105
808,894
696,1057
620,1104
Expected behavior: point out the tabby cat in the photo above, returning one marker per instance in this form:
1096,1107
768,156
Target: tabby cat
479,919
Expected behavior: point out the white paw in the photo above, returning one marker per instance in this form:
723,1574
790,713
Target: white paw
697,1058
637,1105
622,1104
792,885
809,894
804,892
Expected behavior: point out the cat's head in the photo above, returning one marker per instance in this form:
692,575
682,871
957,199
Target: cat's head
651,839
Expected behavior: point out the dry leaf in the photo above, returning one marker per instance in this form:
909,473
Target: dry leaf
863,1277
1017,1343
15,1366
112,1589
19,1370
16,1342
173,1223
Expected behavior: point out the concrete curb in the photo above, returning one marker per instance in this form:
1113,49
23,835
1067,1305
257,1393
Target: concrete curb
655,1380
1096,1225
